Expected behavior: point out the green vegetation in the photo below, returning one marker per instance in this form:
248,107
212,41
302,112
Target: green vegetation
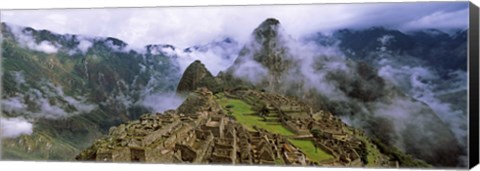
244,115
38,147
373,154
96,76
279,161
309,149
405,160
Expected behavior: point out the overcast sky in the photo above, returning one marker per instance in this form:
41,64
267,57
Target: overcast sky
187,26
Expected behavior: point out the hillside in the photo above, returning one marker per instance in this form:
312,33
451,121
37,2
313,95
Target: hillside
72,89
351,89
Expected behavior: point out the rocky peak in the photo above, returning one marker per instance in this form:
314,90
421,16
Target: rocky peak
267,30
195,76
268,48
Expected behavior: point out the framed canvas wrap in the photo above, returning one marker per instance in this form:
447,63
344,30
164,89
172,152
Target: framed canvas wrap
383,85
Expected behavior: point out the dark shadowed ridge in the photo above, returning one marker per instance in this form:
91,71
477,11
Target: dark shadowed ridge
195,76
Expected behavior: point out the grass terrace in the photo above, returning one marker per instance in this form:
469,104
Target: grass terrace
243,113
309,149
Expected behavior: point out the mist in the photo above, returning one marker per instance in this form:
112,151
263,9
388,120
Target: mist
375,96
14,127
44,100
217,55
160,102
188,26
26,39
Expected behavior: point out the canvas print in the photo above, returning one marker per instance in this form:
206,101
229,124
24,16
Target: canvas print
328,85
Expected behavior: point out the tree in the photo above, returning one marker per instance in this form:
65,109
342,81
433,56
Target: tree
317,133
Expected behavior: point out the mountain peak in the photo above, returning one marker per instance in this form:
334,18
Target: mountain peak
270,21
267,49
196,76
267,30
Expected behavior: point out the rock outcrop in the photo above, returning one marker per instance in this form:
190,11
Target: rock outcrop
196,76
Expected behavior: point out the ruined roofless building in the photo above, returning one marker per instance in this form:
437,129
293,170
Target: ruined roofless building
200,137
201,132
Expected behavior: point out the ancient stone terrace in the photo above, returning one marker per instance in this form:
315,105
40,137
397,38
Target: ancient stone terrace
200,137
300,119
200,131
291,113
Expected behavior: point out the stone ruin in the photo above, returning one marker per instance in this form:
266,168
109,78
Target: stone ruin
196,138
201,137
299,118
200,131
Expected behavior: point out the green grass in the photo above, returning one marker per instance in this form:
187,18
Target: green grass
59,150
373,153
308,148
279,161
243,114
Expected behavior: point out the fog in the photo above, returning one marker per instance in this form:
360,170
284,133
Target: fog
160,102
376,103
14,127
189,26
43,100
26,39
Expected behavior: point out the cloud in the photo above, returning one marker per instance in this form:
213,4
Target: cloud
19,77
45,100
315,64
160,102
81,107
84,45
353,90
13,104
424,84
26,39
44,46
252,71
188,26
14,127
437,20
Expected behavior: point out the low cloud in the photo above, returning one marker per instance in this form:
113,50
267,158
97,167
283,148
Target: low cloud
188,26
13,104
160,102
84,45
45,101
14,127
216,55
457,19
425,85
24,38
252,71
324,76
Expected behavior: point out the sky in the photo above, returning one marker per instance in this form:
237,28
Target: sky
188,26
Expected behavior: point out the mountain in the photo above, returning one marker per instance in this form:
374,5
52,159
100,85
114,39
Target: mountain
428,65
267,49
348,88
440,50
72,89
195,76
